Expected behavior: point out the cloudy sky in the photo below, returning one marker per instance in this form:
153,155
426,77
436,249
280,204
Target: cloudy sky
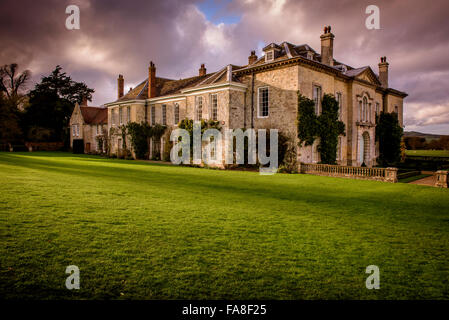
123,36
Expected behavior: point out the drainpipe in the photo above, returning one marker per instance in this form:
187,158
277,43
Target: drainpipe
252,100
244,110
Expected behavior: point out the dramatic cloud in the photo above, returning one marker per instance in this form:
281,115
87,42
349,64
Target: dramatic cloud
178,35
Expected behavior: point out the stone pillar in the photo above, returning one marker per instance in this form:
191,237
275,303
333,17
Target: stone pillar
391,175
441,179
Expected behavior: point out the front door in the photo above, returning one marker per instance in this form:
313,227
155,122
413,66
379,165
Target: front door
88,147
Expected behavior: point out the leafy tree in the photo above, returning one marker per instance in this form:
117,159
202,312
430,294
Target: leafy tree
389,134
51,104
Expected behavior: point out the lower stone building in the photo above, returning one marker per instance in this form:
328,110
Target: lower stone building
89,124
263,95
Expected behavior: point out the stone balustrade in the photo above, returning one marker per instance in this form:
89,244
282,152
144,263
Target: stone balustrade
365,173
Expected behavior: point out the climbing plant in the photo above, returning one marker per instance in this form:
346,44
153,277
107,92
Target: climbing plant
389,135
325,126
307,120
329,129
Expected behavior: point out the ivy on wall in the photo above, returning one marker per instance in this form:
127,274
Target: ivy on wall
307,121
329,129
140,135
389,134
325,126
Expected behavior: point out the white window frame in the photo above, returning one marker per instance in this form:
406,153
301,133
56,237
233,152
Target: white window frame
339,98
77,130
164,114
153,115
176,113
120,115
258,102
268,54
198,108
319,97
213,107
73,130
128,114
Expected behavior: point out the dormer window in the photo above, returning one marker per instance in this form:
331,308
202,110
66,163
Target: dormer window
269,56
271,52
310,55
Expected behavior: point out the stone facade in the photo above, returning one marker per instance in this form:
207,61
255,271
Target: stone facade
283,71
88,123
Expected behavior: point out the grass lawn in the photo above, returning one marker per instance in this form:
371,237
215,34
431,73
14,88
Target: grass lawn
152,231
427,153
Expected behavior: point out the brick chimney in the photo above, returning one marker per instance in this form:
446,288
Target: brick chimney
151,80
120,86
327,46
383,72
252,58
202,70
84,101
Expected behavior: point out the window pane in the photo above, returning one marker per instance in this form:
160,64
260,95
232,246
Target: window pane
164,114
263,102
153,115
176,113
214,106
199,108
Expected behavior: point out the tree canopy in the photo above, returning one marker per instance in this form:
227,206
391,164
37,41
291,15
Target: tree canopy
389,134
51,105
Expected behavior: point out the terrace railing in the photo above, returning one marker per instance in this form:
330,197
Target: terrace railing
379,174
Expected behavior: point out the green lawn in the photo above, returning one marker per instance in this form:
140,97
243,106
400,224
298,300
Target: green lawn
428,153
149,231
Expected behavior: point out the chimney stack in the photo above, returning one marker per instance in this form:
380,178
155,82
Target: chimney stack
327,46
383,72
84,101
120,86
252,58
202,70
229,73
151,80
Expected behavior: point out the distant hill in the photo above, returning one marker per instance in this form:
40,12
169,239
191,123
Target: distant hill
427,136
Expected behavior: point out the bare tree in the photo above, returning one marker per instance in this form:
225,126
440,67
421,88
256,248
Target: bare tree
12,83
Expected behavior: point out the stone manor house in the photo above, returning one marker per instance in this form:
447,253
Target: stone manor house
261,94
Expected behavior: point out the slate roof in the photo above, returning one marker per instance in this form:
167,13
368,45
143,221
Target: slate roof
166,87
94,115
